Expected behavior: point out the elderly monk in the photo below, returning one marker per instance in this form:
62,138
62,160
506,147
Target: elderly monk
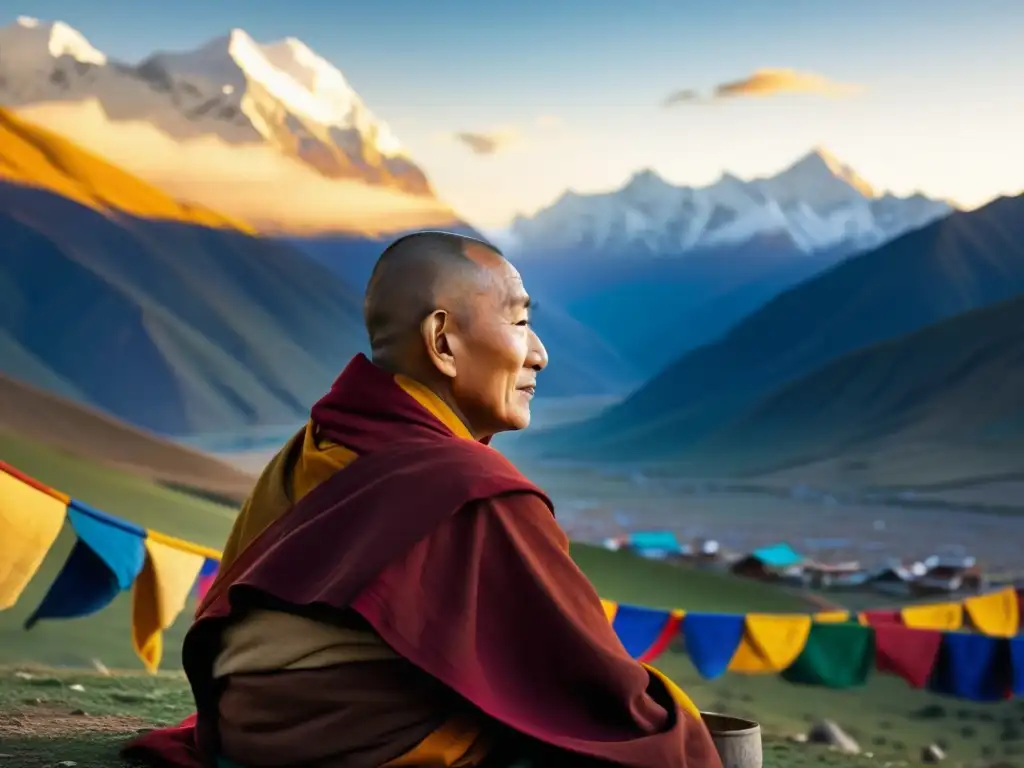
395,593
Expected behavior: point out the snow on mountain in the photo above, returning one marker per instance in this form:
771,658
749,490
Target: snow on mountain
232,92
817,203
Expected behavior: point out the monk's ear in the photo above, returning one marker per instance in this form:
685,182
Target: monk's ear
434,329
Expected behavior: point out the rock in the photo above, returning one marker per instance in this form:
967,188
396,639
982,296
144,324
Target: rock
78,687
828,732
798,738
78,712
67,763
932,754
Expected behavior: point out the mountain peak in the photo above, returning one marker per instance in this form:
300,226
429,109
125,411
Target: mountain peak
30,41
819,163
816,203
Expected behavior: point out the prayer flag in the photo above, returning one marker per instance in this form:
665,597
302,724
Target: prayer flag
638,628
996,614
30,521
945,617
711,640
105,560
975,667
206,576
835,656
770,643
160,592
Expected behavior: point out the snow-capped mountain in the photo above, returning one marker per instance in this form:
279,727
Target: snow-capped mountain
232,93
816,204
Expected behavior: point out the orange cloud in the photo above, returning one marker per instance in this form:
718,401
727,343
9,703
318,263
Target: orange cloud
769,82
252,182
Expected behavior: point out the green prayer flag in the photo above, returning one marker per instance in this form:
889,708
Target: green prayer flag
835,656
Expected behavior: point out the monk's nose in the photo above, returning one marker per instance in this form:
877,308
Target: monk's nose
537,359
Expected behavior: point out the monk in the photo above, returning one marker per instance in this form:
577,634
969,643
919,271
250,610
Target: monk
394,592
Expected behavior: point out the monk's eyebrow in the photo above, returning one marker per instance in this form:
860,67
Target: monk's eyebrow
520,300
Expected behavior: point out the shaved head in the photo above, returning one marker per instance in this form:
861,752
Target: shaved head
416,275
451,312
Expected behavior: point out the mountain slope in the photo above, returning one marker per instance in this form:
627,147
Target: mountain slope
658,270
46,418
36,157
958,382
165,323
965,261
229,124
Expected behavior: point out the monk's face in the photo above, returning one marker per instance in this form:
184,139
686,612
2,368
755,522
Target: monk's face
496,353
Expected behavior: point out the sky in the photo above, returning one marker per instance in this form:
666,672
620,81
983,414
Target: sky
506,104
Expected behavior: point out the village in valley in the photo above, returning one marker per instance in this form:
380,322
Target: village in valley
933,576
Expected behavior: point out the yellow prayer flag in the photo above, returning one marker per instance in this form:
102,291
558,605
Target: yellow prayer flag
160,592
30,521
770,642
831,617
996,614
945,617
610,609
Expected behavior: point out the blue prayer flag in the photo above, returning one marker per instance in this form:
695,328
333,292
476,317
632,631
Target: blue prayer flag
638,627
972,666
711,640
105,560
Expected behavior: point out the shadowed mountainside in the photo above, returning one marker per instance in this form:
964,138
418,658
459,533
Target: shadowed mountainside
959,382
962,262
154,317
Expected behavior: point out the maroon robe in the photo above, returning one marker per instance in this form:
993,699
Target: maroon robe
454,558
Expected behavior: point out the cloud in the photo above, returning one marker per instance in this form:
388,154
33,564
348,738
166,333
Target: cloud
255,182
489,143
768,82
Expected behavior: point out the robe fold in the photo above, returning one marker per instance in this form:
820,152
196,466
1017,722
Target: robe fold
455,560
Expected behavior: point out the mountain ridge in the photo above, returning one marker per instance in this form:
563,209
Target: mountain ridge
965,261
816,203
168,323
228,125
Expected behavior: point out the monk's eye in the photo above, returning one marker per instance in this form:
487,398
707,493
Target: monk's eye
524,323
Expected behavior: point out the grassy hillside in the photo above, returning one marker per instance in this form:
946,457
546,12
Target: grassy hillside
55,421
963,262
146,313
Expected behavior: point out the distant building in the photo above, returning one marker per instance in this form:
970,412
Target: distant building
894,579
945,574
771,563
655,545
833,575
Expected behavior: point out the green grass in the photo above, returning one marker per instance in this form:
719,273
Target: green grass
883,716
53,722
